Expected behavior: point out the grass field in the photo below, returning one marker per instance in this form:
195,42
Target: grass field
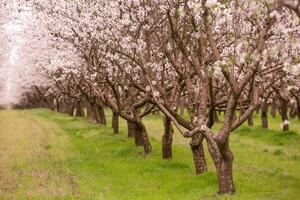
46,155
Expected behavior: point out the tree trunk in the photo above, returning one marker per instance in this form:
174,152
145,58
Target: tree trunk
264,115
88,110
167,139
198,155
293,111
97,114
71,109
79,110
102,115
141,136
138,139
250,120
94,113
64,107
273,110
257,110
298,110
284,115
225,176
115,122
130,129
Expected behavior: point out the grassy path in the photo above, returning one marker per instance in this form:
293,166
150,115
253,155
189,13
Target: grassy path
46,155
28,147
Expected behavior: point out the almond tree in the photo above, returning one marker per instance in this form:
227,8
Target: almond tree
139,56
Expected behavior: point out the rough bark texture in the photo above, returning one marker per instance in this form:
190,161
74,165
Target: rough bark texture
284,115
88,110
198,154
138,135
65,108
225,176
167,139
130,129
115,122
142,138
297,106
298,111
94,114
71,109
264,115
250,120
79,109
102,115
293,111
97,114
273,110
199,159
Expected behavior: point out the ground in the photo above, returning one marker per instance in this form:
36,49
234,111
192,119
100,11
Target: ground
46,155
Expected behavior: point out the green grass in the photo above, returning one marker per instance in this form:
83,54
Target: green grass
109,166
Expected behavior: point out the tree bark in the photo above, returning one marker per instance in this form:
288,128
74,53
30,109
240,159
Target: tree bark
273,109
297,104
115,122
97,114
225,176
102,115
71,109
88,110
79,109
167,139
284,115
250,120
130,129
198,154
138,139
141,136
293,111
94,113
264,115
298,110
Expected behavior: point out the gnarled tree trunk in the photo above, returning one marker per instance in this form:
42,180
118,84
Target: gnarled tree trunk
138,139
88,110
79,109
141,137
284,115
101,115
115,122
224,171
298,110
198,154
71,109
97,114
264,115
250,120
273,109
130,129
167,139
